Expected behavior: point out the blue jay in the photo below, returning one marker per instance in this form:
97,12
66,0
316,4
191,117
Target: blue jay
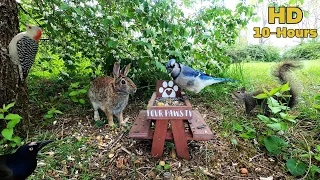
190,79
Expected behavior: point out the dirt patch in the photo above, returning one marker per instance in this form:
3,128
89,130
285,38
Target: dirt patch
113,155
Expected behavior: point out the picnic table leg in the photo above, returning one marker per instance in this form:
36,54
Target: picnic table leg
159,137
180,139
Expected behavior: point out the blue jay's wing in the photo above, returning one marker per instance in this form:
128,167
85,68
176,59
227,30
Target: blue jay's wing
188,71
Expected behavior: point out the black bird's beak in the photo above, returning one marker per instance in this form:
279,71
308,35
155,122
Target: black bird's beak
43,143
169,70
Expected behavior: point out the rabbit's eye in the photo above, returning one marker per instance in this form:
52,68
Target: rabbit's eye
123,82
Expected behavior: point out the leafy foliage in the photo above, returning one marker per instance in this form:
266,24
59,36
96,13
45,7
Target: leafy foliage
305,51
253,53
143,32
11,120
296,168
52,113
76,93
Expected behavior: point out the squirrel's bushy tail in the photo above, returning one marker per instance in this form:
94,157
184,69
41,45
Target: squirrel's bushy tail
281,72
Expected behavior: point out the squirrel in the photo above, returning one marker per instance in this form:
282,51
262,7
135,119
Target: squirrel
281,73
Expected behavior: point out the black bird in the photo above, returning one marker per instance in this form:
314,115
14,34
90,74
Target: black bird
22,163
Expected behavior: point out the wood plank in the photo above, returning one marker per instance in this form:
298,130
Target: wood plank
152,99
179,138
200,130
141,127
159,138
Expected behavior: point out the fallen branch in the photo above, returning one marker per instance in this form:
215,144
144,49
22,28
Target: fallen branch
127,151
304,177
250,159
113,143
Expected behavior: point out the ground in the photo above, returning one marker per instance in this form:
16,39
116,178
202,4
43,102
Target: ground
96,145
84,149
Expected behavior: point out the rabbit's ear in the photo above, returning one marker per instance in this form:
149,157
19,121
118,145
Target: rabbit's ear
116,69
126,70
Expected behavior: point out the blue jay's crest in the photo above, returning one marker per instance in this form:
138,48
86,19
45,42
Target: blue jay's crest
191,79
171,63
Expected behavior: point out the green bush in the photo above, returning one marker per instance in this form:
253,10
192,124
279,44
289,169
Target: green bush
305,51
253,53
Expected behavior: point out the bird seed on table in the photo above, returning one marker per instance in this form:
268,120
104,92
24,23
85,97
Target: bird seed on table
165,101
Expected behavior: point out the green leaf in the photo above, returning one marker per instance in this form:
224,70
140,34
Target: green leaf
7,107
48,116
314,169
248,135
166,167
237,127
112,44
275,110
288,117
82,91
160,66
274,144
275,90
317,157
159,167
73,93
264,118
285,87
261,96
278,126
82,101
57,111
75,85
234,141
304,155
74,99
13,123
318,148
12,116
316,106
1,116
7,133
296,168
64,6
17,140
78,11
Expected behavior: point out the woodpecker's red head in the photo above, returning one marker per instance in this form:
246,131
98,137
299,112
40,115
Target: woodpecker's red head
34,32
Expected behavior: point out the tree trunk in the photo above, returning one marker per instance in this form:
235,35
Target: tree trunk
11,87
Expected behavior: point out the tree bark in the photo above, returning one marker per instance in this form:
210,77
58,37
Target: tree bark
12,89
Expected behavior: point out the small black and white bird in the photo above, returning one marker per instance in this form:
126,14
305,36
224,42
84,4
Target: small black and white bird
22,163
190,79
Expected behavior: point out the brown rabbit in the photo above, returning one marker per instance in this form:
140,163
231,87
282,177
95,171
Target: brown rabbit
111,94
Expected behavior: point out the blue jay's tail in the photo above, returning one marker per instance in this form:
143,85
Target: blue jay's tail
218,80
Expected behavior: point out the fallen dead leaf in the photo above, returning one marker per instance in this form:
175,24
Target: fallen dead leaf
162,163
151,175
111,155
243,171
50,153
120,163
173,153
267,178
137,161
70,158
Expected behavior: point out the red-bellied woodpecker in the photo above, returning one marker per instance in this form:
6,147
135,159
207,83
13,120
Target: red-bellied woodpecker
23,49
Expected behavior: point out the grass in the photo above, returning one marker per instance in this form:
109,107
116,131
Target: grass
77,152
